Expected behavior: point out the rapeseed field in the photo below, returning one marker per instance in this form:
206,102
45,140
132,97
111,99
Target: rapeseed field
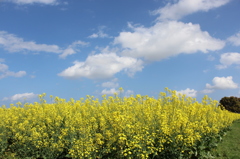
171,126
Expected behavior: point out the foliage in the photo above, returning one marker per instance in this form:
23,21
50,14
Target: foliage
172,126
231,104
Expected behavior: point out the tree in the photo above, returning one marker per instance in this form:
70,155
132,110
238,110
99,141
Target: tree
231,104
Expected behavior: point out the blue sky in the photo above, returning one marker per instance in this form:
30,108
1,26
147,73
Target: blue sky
76,48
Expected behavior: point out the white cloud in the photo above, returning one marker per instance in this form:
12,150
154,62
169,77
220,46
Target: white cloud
3,67
94,35
128,93
49,2
111,84
107,49
166,39
235,39
4,72
13,74
72,49
185,7
222,83
210,58
21,97
100,33
221,67
13,43
102,66
111,91
228,59
68,51
188,92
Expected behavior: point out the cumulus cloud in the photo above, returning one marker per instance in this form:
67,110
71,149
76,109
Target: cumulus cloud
222,83
12,43
21,97
102,66
4,72
47,2
235,39
188,92
228,59
72,49
166,39
185,7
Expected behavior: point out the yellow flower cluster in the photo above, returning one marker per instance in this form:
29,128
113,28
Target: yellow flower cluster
128,127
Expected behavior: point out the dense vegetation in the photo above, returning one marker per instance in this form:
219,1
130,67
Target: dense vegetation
231,104
172,126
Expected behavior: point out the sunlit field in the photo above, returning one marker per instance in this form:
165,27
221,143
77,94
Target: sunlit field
171,126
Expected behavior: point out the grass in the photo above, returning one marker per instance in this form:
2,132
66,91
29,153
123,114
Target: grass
229,148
